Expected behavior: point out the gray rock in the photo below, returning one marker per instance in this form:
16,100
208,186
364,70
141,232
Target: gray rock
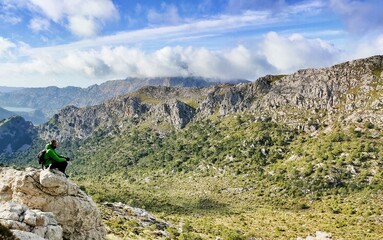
30,218
54,232
175,112
57,207
27,235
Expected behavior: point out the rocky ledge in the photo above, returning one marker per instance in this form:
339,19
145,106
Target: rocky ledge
43,204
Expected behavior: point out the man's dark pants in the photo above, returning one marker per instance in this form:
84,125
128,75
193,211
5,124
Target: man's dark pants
59,165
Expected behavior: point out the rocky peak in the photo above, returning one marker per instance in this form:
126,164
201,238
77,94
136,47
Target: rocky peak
48,205
352,88
72,122
339,91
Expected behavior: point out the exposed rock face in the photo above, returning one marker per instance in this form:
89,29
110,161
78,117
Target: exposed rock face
143,218
51,192
175,112
81,123
349,92
229,99
347,88
114,114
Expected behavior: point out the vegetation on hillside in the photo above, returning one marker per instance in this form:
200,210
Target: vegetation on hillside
239,178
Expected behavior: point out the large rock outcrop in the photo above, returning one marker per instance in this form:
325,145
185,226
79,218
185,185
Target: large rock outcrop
52,193
173,111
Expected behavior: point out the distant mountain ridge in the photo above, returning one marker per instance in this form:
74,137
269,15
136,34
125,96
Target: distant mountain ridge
4,89
307,100
347,93
50,100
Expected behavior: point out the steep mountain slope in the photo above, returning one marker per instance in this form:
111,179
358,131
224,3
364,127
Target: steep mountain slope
150,105
51,99
16,134
351,89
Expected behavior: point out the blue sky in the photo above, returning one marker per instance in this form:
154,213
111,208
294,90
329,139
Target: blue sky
85,42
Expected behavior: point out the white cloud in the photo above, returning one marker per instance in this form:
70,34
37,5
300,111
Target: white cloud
39,24
237,6
120,62
277,7
288,54
180,61
368,47
276,54
168,15
75,14
7,15
159,36
82,26
9,18
6,47
205,5
360,16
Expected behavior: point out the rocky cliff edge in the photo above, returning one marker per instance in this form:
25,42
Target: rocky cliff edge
47,205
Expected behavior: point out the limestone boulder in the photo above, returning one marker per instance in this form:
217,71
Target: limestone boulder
26,235
62,202
26,223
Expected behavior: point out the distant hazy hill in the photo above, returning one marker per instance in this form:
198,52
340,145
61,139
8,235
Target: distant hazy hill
9,89
51,99
5,113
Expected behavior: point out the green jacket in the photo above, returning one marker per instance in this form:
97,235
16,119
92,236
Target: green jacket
51,156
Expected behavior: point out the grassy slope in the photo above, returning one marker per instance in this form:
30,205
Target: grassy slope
238,178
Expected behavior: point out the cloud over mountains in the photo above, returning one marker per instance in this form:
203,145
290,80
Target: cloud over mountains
83,42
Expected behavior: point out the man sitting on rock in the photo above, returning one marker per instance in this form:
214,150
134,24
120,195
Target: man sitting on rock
54,160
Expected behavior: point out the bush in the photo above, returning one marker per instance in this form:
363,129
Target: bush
6,234
189,236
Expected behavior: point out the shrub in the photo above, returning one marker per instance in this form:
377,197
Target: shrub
6,234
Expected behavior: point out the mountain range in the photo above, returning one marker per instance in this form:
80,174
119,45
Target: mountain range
47,101
301,151
310,99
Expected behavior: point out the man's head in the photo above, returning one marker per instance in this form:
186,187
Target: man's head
54,144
